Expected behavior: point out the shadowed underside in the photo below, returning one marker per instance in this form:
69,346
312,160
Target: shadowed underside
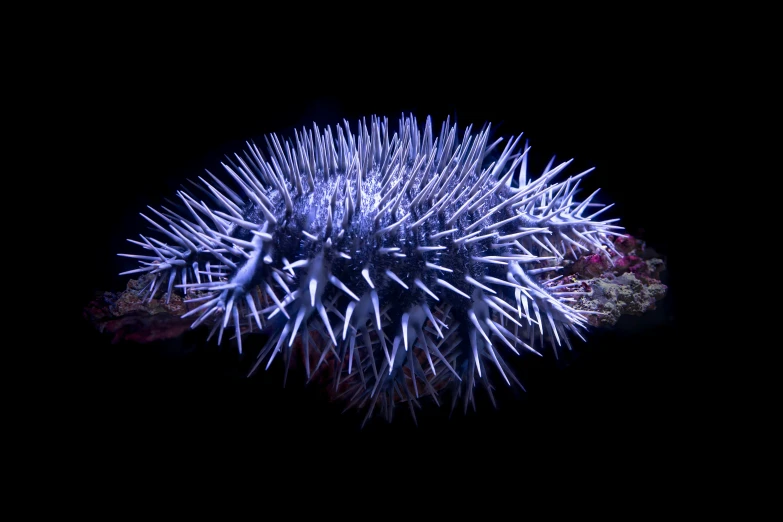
402,264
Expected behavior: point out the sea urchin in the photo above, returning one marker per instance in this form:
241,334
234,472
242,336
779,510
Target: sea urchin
401,264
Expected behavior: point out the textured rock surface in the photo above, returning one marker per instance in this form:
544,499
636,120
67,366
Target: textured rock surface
621,295
128,316
630,287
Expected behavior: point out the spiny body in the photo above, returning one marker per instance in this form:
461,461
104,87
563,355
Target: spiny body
404,263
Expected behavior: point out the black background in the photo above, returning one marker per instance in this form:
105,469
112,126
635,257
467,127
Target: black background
147,120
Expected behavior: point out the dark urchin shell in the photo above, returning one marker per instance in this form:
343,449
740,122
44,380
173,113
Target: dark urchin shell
393,261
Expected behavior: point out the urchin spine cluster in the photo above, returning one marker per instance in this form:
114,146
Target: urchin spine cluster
390,261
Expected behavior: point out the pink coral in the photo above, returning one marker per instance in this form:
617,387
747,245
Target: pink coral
625,244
